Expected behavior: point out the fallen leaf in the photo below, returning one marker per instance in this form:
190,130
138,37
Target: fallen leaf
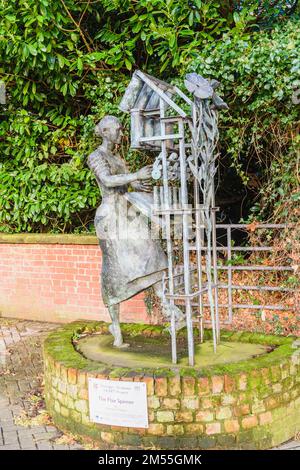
253,226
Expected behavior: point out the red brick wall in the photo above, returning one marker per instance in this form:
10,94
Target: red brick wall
56,283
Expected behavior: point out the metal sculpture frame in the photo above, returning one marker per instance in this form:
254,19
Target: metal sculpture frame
165,119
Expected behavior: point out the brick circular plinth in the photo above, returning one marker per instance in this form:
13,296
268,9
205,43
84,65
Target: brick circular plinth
253,404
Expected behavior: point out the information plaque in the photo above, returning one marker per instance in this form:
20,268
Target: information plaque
118,403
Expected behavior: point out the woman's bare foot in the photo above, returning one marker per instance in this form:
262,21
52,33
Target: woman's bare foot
121,345
118,339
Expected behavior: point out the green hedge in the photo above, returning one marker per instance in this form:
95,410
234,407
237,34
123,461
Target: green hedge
66,63
260,134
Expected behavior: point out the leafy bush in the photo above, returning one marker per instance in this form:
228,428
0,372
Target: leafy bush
66,63
259,134
45,183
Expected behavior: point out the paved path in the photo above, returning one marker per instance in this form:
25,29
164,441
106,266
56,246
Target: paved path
291,445
21,376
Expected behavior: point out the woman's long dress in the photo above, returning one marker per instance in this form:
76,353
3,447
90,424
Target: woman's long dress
131,260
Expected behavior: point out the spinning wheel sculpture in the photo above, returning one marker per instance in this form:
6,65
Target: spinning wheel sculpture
185,136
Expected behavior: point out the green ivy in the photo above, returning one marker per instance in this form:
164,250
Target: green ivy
66,63
259,135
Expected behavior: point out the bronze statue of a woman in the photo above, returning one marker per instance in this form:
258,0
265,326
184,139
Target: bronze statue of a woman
131,261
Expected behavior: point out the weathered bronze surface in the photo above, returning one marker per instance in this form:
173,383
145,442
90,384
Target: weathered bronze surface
132,261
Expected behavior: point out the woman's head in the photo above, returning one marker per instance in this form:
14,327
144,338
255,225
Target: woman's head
109,128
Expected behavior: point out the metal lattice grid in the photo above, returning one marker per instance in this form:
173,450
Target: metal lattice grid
185,133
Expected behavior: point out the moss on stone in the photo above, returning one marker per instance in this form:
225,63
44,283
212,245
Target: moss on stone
59,346
258,398
48,239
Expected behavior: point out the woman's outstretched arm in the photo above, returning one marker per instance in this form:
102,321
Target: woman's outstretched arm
100,168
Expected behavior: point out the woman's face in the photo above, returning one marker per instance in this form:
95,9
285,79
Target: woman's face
112,132
116,133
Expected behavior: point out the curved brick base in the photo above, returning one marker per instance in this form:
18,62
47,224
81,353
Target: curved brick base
253,404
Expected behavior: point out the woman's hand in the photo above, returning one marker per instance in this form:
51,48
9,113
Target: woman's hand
144,173
144,186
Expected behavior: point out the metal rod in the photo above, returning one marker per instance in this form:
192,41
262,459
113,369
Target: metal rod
251,268
175,211
203,145
215,269
258,226
229,274
256,268
186,255
259,288
160,138
198,232
150,112
251,307
172,119
192,270
191,295
160,93
183,95
190,210
199,264
168,230
240,248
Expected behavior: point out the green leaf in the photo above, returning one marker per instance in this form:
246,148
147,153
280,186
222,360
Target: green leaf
79,64
128,64
32,49
236,17
61,60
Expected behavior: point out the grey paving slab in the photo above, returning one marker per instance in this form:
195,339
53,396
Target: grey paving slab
44,446
21,374
24,443
10,447
61,447
291,445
